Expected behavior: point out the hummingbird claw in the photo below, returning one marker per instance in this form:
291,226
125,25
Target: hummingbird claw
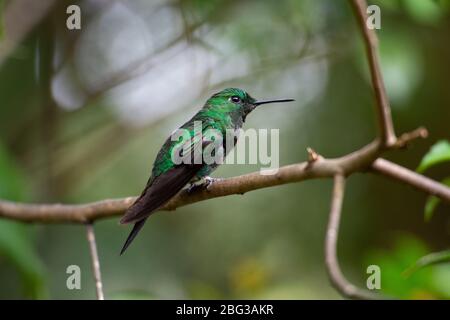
205,183
209,181
189,189
192,188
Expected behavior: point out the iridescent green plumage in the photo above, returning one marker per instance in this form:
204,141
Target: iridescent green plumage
224,111
218,113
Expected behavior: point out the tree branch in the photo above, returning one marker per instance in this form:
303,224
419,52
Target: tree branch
331,261
402,174
386,126
359,160
95,261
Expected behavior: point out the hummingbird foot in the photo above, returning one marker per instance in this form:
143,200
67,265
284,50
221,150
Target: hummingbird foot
208,181
193,187
204,183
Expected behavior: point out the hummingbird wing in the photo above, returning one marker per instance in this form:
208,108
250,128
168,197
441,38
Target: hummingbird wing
161,189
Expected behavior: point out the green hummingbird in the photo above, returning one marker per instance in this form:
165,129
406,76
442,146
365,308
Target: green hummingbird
225,110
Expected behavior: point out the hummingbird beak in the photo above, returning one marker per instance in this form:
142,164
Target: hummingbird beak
258,103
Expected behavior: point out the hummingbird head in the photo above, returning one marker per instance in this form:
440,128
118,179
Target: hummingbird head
237,101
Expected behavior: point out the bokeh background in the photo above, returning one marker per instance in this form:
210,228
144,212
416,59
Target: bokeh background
84,112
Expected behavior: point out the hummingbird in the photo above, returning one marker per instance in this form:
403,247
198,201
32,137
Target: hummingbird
225,110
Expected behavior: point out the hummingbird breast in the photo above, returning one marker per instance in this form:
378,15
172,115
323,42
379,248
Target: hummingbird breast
230,133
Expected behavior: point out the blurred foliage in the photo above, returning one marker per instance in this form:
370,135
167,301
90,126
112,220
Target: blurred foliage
438,154
16,241
397,278
428,11
433,202
402,66
83,113
2,5
248,277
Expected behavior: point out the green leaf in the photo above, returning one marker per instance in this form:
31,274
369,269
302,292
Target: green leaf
15,243
430,206
439,153
428,260
433,202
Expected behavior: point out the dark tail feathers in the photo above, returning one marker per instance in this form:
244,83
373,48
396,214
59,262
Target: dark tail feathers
136,228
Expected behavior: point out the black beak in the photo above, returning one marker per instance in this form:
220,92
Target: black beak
258,103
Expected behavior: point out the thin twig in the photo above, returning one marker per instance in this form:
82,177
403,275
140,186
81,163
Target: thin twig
407,137
386,126
95,261
313,156
411,178
331,261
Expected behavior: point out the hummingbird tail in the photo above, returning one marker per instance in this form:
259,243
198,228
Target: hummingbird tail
136,228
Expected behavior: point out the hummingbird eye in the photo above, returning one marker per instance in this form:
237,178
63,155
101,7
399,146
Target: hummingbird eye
235,99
